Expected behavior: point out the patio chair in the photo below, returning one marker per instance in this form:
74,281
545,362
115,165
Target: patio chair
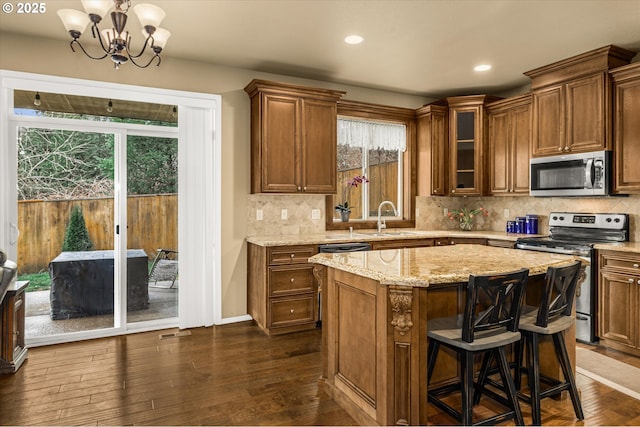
164,268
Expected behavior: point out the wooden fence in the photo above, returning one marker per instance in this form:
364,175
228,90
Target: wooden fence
383,185
152,219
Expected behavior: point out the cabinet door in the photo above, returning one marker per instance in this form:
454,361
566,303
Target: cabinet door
586,126
499,152
627,135
280,127
319,147
548,121
432,152
465,151
520,146
618,307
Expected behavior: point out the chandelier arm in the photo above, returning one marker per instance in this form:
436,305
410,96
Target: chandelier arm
96,35
83,50
144,47
148,63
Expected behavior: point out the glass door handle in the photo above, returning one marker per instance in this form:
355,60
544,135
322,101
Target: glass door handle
13,241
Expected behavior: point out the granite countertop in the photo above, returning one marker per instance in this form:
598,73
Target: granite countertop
371,235
621,246
421,267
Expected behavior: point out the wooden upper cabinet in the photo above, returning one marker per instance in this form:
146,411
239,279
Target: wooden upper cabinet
467,130
572,102
293,138
509,123
433,146
626,120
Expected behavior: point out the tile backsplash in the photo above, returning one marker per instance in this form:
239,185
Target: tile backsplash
430,212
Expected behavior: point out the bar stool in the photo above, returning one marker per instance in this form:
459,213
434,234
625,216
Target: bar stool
552,317
489,323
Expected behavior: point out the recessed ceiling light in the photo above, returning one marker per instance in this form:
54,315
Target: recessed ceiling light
353,39
482,67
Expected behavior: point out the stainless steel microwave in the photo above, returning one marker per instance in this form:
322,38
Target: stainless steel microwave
582,174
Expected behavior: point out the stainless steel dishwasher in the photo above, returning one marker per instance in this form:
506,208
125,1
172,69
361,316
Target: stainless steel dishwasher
334,248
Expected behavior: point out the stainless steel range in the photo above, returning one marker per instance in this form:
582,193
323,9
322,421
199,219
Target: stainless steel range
575,234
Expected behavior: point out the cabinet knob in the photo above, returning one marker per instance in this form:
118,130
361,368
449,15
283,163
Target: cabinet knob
293,255
631,280
292,310
560,149
636,265
452,243
453,191
292,279
299,188
304,188
567,149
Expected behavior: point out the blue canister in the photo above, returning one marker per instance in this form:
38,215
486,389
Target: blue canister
520,224
531,224
511,226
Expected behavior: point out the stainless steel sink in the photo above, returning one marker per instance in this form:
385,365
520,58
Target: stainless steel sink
394,233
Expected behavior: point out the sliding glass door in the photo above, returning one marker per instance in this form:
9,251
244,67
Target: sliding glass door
152,234
65,214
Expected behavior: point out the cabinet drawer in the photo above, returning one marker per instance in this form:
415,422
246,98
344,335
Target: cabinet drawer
291,311
621,262
291,279
291,254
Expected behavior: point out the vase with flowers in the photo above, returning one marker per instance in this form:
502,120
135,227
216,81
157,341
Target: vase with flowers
343,207
466,216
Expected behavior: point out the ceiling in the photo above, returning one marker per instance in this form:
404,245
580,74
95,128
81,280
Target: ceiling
420,47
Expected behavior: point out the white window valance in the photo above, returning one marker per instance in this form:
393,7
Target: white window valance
373,135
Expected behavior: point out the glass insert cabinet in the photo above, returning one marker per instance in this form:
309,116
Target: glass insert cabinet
467,124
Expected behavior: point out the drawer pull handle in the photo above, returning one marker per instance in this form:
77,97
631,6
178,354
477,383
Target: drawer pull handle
636,265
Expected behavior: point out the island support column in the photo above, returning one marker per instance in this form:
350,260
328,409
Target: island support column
374,348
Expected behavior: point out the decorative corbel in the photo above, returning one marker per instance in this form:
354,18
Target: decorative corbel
401,299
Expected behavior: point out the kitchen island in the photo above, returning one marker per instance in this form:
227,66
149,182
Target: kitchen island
376,306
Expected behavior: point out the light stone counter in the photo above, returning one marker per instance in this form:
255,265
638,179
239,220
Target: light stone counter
370,235
421,267
622,247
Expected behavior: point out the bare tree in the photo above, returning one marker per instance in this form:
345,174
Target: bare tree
60,164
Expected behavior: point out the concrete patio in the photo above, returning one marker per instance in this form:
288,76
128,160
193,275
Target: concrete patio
163,303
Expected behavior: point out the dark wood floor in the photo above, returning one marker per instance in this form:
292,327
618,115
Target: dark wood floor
223,375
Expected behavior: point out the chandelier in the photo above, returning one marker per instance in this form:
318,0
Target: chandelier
116,42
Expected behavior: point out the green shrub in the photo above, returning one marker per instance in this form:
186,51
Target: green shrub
76,238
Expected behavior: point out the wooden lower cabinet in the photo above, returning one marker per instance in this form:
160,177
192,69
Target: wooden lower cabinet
399,244
619,300
445,241
12,312
509,244
282,291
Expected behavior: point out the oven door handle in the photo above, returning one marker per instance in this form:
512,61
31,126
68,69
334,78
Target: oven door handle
545,249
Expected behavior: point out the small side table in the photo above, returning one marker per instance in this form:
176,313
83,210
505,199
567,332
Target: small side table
12,312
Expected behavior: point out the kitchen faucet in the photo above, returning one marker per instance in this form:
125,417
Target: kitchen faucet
381,222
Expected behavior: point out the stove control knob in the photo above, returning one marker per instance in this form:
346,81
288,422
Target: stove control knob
561,218
616,220
608,220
